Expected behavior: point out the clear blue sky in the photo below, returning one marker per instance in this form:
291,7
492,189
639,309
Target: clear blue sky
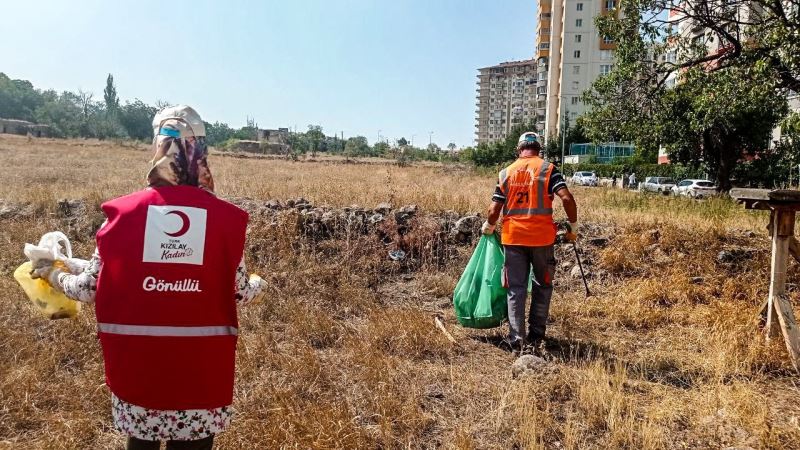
405,67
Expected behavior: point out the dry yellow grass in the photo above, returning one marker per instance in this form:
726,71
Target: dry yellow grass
344,354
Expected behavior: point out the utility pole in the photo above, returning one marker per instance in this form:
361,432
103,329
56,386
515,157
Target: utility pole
430,138
412,139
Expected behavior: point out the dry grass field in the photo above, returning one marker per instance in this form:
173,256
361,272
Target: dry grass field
343,352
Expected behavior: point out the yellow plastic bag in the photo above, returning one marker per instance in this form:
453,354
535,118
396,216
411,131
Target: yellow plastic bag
49,301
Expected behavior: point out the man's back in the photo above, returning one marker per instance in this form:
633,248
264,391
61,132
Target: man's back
526,188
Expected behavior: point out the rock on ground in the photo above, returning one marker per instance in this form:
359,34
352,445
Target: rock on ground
529,365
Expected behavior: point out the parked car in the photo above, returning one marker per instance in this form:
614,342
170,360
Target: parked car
695,188
662,185
584,179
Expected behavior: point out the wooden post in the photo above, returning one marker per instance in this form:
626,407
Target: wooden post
777,283
777,310
781,308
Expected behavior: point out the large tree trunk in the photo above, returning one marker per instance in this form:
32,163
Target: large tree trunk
724,173
721,157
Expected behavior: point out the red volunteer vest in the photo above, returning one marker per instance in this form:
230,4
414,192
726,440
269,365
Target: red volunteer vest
165,303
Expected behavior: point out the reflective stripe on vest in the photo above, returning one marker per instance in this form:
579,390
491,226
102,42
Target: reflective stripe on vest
530,212
159,330
540,186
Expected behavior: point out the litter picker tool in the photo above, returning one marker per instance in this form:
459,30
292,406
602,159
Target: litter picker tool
580,264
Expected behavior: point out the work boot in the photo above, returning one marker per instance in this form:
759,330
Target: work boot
513,347
536,346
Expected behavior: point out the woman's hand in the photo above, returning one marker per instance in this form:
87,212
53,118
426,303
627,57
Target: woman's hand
42,268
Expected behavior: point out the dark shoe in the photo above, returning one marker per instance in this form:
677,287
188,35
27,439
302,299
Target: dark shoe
513,347
536,346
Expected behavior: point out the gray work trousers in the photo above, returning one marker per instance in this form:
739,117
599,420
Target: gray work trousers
519,262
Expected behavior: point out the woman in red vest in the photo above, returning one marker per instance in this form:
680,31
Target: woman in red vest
166,278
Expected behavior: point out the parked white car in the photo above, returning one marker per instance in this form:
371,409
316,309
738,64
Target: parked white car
584,179
695,188
662,185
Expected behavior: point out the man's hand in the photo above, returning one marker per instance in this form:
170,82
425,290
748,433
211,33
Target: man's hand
572,231
487,228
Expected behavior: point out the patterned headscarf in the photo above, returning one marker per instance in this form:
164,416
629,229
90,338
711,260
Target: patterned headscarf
180,150
180,162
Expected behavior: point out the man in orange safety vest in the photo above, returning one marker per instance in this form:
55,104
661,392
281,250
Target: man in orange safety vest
524,196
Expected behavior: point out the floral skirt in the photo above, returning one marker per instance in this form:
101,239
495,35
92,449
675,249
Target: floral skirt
166,425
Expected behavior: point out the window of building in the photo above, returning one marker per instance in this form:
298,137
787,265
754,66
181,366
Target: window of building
610,4
576,70
579,6
544,46
577,38
578,22
606,55
699,40
575,85
575,100
605,69
576,53
608,40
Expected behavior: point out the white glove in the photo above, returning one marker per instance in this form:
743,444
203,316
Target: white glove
574,226
572,231
487,228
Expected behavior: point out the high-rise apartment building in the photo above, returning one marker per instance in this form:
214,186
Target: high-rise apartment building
570,55
506,97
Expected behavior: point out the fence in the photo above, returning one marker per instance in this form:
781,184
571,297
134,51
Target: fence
603,153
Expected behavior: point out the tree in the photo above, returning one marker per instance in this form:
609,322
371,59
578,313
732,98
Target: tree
248,132
722,108
402,142
85,102
452,147
314,138
499,152
110,95
62,112
163,104
217,133
18,99
137,118
380,148
357,146
760,34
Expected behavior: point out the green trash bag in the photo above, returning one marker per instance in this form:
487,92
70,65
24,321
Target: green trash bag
480,298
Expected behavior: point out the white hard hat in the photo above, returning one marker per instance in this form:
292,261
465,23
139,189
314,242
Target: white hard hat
178,121
528,138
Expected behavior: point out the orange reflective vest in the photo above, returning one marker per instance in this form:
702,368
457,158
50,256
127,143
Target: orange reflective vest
528,210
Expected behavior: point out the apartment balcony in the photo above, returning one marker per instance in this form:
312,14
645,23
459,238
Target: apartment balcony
541,83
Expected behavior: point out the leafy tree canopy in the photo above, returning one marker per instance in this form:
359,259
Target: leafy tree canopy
711,102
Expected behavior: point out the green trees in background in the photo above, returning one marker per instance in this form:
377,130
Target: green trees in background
711,102
110,95
497,153
71,114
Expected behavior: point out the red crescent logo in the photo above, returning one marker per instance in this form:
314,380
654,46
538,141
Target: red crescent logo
184,227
